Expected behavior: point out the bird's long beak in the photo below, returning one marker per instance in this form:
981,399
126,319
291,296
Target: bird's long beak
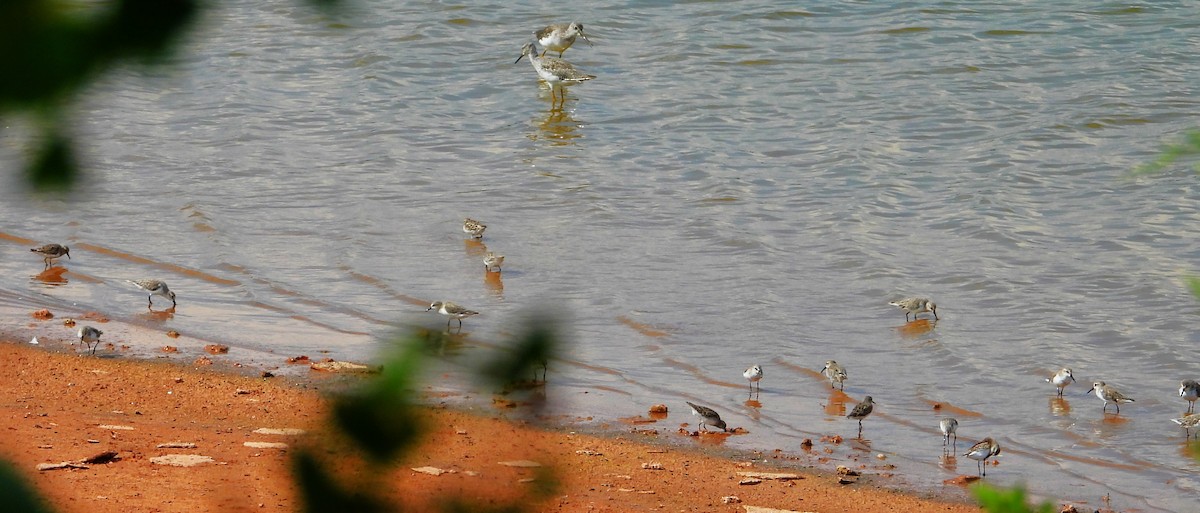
1073,379
428,309
518,59
1090,390
589,41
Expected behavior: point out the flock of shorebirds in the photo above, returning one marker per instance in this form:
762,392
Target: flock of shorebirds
557,72
1189,390
89,335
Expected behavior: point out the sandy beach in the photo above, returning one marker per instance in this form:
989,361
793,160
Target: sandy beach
65,408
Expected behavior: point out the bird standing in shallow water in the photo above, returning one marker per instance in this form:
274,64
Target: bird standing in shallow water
835,373
474,228
981,451
556,72
155,288
451,310
754,374
1188,422
861,412
89,335
560,36
1061,379
51,252
1189,390
1109,394
707,417
949,427
492,261
915,306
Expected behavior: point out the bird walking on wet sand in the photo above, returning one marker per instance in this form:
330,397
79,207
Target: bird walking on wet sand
492,261
155,288
556,72
949,426
835,373
915,306
90,337
52,252
1188,423
451,310
707,417
1189,390
560,36
755,375
1061,379
474,228
981,451
861,412
1109,394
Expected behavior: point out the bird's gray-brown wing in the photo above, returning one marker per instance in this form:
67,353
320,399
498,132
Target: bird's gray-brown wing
541,34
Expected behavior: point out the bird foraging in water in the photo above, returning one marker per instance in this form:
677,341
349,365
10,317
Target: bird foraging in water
89,336
452,311
707,417
1108,394
560,36
981,451
155,288
835,373
51,252
1188,422
1189,390
754,374
915,306
1061,379
474,228
492,261
556,72
949,426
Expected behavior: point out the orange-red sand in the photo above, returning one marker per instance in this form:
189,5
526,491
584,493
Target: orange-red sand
64,407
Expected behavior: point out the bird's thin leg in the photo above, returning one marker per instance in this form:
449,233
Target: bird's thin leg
905,316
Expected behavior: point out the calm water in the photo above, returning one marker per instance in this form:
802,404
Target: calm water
743,183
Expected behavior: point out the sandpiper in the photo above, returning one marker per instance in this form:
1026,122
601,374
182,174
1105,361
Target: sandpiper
861,412
707,417
451,310
1188,422
915,306
949,426
1061,379
835,373
492,261
89,336
754,374
556,72
981,451
1189,390
51,252
474,228
560,36
155,288
1109,395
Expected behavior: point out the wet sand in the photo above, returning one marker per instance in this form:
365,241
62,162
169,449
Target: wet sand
67,407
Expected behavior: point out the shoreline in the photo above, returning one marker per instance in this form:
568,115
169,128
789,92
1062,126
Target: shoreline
65,407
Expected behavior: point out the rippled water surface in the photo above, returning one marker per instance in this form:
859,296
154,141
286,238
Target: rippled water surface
743,183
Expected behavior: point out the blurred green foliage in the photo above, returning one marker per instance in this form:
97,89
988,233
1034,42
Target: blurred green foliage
1186,149
999,500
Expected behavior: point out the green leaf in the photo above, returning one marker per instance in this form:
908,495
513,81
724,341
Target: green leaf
999,500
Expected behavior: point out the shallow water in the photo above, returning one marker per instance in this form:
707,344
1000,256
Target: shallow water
743,183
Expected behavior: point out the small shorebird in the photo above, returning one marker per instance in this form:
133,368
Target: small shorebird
89,336
556,72
915,306
155,288
949,427
707,417
835,373
1109,395
861,412
1190,391
492,260
51,252
754,374
1061,379
981,451
474,228
560,36
1188,422
451,310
